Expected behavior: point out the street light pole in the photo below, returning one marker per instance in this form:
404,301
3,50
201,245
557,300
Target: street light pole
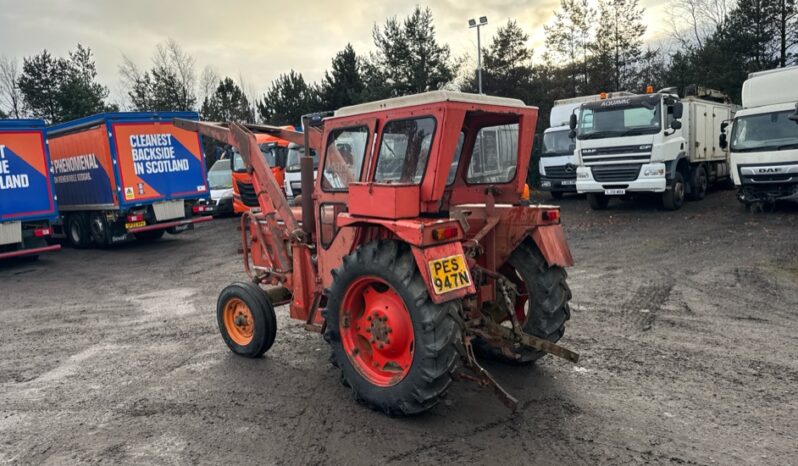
472,23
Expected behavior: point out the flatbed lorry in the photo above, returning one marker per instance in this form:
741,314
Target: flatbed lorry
123,176
27,197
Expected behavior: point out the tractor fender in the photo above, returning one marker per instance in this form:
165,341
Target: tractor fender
550,240
425,257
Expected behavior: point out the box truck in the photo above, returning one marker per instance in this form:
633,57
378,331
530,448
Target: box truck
651,143
764,138
27,196
557,161
122,176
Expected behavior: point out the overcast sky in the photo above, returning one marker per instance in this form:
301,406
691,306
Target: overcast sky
256,40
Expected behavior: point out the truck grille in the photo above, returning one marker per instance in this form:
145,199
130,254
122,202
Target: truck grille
613,155
247,192
563,172
611,173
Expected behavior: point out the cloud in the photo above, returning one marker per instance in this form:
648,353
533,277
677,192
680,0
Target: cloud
254,39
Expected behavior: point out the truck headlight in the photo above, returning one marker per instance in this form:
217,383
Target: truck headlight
659,171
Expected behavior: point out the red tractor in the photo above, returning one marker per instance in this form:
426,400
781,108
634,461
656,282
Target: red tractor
411,249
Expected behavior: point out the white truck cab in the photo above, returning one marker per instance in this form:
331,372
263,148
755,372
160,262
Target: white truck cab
650,143
763,138
557,161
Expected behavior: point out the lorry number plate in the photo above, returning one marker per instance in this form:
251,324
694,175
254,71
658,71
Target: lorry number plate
128,226
449,274
614,192
567,182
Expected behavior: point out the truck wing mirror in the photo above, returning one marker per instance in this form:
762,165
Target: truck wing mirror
676,125
572,134
794,116
678,110
572,122
723,127
722,142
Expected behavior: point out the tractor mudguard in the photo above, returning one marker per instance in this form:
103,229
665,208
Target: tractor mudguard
550,240
456,276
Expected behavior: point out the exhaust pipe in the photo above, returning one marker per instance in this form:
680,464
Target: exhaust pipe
306,174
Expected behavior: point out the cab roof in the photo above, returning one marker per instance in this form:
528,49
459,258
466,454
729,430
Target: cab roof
428,98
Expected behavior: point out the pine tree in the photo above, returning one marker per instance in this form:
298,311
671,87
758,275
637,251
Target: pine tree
570,36
343,85
507,64
618,43
227,103
168,86
409,55
61,89
287,99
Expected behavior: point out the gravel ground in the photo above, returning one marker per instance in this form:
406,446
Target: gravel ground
686,322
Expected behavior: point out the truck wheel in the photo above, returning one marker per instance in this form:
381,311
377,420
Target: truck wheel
78,231
698,184
246,319
542,304
150,235
598,201
98,225
673,197
395,348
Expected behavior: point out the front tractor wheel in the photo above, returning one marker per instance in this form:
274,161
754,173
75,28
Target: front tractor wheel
395,348
246,319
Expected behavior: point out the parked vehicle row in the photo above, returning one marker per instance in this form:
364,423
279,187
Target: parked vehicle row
100,180
659,143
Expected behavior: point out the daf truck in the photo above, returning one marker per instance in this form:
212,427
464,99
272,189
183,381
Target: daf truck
557,161
123,176
27,198
654,143
764,138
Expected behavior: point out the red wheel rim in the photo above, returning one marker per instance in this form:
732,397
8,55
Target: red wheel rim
376,331
523,295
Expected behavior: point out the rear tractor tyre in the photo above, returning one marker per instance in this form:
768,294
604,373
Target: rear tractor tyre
395,348
598,201
542,307
77,231
246,319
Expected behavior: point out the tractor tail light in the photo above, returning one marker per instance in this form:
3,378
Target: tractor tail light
42,232
551,215
441,234
135,218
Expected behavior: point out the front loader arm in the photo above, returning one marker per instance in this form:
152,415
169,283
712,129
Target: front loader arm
270,196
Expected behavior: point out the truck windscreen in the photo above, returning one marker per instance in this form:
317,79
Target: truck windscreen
620,117
557,143
764,132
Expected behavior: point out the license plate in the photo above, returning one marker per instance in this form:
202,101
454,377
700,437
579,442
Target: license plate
128,226
614,192
449,274
568,182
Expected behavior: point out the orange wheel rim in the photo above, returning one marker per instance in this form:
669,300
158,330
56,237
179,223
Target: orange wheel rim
238,321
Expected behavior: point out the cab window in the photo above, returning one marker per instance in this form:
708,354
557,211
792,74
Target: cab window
495,155
404,150
346,149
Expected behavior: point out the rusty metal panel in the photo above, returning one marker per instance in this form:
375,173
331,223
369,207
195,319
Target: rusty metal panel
383,200
550,240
